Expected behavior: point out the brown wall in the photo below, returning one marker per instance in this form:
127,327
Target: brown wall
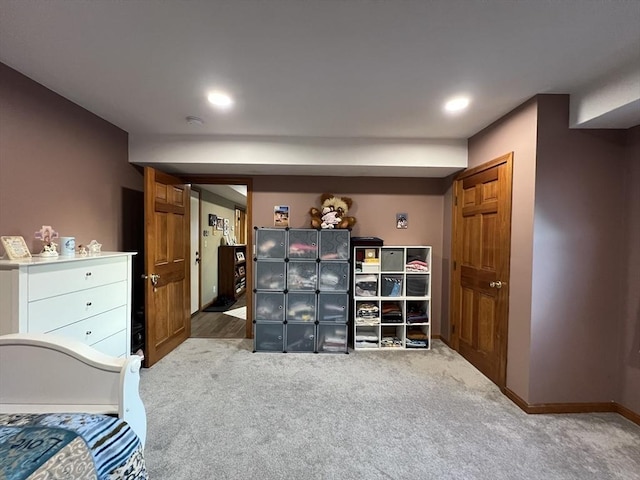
375,204
629,346
60,165
516,132
579,259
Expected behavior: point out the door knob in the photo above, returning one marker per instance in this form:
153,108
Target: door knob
497,284
154,278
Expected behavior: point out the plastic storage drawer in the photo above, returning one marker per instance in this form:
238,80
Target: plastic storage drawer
270,243
301,337
269,337
333,307
269,307
303,244
334,245
270,275
302,275
301,307
334,277
332,338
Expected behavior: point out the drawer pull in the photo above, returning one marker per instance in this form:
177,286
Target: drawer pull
88,304
88,332
88,274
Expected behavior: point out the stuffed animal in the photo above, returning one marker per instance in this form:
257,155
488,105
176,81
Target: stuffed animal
333,212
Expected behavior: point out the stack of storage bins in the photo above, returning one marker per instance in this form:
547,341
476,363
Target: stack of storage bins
301,290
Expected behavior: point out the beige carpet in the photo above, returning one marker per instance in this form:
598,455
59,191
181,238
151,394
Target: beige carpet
217,411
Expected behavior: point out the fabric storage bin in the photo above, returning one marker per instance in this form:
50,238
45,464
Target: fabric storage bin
301,307
270,275
270,243
269,307
332,307
268,337
334,276
334,245
302,243
417,285
301,337
392,260
302,275
332,339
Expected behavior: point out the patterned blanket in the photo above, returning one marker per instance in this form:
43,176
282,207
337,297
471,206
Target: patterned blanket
75,445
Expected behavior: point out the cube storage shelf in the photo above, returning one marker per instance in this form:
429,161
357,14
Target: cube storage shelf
392,297
301,299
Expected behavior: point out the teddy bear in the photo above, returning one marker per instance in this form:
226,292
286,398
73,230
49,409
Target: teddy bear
333,212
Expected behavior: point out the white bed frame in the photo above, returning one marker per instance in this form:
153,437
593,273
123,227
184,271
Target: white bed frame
46,373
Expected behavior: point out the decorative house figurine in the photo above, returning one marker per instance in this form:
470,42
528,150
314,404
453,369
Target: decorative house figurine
47,234
94,247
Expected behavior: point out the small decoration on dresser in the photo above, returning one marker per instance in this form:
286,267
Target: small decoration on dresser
47,234
94,247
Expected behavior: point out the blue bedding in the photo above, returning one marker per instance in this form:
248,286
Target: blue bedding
69,445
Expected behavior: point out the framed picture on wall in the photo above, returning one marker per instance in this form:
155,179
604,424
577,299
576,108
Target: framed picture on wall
219,223
281,216
212,220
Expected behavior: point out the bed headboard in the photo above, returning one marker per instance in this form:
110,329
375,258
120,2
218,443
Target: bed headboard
42,373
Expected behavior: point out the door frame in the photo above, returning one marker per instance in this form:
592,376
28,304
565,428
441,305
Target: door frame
235,180
198,266
456,254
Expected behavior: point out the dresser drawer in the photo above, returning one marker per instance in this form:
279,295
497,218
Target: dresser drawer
52,313
56,279
115,345
94,329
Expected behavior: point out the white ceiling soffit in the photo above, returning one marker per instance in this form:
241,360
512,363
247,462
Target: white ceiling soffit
611,102
234,193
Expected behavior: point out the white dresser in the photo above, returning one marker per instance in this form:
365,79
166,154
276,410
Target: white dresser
85,298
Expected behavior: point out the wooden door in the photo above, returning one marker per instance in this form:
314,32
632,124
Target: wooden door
481,252
167,292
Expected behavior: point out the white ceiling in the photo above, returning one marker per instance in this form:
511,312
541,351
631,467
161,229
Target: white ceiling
313,68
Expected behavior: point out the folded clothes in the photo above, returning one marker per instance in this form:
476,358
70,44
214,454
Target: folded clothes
366,338
416,343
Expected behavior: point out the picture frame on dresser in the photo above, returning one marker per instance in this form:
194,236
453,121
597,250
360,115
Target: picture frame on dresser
15,247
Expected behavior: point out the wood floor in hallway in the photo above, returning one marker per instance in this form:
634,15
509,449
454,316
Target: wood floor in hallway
218,324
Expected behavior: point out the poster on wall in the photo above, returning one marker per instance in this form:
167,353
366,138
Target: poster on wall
281,216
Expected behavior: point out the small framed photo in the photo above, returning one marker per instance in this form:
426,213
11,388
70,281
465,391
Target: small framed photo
212,220
219,223
240,256
281,216
15,247
402,220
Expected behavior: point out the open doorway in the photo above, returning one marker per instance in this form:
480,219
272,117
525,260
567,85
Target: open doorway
223,258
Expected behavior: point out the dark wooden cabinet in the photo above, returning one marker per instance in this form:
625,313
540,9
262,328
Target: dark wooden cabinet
232,271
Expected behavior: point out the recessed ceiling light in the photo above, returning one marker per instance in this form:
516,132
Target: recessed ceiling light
456,104
220,100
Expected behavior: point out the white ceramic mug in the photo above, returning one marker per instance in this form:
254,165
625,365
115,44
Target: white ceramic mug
68,246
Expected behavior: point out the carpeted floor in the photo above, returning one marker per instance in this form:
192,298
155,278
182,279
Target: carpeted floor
218,411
